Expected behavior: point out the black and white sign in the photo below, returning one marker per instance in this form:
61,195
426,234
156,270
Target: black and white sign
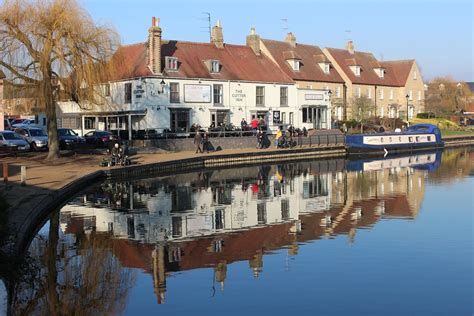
276,117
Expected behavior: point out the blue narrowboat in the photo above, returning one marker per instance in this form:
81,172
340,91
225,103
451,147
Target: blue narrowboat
416,137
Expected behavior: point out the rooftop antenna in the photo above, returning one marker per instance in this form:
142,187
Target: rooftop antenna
381,56
285,24
348,35
208,27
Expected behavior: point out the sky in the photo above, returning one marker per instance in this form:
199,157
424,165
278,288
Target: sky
437,33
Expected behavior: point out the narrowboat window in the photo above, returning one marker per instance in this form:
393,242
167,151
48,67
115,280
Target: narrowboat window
400,138
417,139
381,139
390,139
429,138
410,139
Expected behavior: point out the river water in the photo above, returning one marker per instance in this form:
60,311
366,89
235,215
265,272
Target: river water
326,237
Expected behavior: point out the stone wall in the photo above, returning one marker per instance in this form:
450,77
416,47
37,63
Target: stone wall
314,138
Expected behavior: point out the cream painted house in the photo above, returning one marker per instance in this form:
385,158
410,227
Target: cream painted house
392,86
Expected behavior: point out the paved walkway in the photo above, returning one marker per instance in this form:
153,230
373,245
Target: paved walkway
46,176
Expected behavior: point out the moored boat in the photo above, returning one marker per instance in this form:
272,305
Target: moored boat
416,137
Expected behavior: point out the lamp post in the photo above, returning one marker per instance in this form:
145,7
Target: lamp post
330,106
407,97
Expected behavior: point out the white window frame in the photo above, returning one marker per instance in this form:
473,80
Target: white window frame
327,68
218,94
296,65
215,66
391,94
414,75
171,63
381,73
358,92
338,92
369,93
381,94
419,95
357,71
410,95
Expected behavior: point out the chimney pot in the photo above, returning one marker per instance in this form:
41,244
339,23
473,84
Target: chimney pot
291,39
350,47
217,38
253,41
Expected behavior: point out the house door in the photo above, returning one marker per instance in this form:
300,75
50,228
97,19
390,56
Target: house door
179,121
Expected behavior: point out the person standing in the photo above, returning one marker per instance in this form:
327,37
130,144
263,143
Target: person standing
198,141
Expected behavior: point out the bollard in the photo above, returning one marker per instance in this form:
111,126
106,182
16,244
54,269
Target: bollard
23,176
5,171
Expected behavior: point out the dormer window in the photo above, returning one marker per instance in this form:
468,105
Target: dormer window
215,66
295,64
171,63
380,72
414,75
357,71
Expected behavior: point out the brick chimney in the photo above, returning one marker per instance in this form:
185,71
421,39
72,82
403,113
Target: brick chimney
253,41
154,46
217,37
291,39
350,47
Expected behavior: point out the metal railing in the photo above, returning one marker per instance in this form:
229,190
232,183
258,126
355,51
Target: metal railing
295,140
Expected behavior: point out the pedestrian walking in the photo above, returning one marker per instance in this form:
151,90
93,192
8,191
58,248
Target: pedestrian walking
198,141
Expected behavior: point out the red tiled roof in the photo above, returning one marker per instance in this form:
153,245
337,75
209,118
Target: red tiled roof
130,61
368,62
400,68
238,62
309,69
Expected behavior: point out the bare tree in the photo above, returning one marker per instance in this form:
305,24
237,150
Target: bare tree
52,47
361,110
446,96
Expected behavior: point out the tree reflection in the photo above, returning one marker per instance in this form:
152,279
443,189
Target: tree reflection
456,164
72,275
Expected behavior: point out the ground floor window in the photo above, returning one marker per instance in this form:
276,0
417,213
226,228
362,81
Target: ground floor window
72,122
259,115
219,118
316,116
291,118
179,120
89,123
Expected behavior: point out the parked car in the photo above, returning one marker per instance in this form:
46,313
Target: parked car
23,123
35,136
100,138
12,140
6,125
68,138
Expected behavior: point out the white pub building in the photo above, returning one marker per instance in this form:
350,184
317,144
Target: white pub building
170,85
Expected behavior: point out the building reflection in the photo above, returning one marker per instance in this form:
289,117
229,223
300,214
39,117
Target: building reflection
215,218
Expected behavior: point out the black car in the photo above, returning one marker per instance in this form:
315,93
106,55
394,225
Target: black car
100,138
68,138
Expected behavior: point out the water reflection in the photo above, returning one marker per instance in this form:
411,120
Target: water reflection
212,219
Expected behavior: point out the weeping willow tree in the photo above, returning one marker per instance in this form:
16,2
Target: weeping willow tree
53,48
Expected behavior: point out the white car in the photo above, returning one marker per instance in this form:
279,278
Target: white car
25,123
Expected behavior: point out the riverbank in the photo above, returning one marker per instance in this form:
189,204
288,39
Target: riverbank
49,184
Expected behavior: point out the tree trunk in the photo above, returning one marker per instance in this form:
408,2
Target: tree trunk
50,105
53,142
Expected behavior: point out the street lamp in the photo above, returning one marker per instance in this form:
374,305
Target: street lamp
407,97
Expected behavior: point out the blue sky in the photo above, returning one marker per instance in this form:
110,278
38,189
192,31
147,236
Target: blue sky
437,33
